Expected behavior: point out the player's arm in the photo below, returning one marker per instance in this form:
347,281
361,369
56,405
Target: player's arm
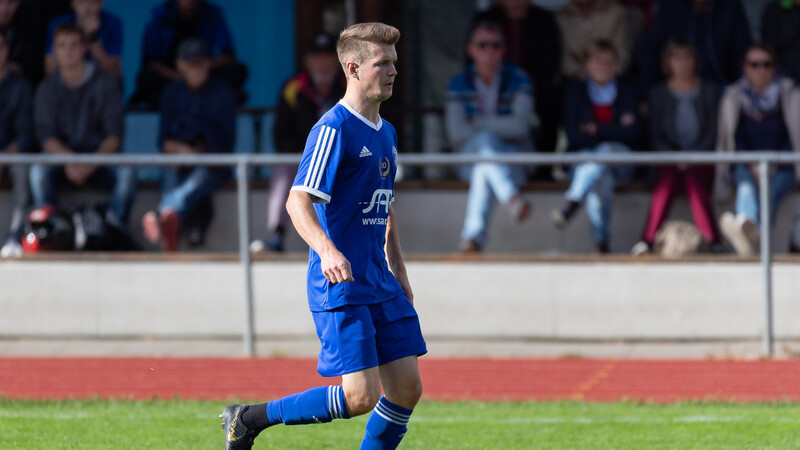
335,266
394,255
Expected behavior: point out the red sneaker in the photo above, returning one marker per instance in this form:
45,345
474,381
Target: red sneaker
170,230
151,228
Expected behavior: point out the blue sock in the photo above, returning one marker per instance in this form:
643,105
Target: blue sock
318,405
386,426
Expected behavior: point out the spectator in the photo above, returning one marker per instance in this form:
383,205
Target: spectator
601,116
584,22
198,115
718,29
78,109
103,32
761,112
16,136
533,43
780,30
24,23
489,110
683,117
170,24
303,100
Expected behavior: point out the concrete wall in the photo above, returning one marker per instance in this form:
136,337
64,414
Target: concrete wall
455,300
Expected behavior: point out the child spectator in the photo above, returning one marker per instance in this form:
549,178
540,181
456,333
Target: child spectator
761,112
584,22
601,116
780,30
683,117
171,23
16,136
489,110
198,115
78,109
303,100
103,32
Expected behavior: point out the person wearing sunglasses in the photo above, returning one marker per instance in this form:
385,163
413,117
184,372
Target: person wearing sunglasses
761,112
489,111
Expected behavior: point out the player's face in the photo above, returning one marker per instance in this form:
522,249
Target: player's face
376,75
68,49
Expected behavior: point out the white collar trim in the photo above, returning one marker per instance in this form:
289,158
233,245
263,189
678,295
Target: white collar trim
363,119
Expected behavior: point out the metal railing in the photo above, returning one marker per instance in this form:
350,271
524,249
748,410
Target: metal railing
242,162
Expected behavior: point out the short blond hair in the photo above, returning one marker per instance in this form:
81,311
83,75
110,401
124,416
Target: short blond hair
353,43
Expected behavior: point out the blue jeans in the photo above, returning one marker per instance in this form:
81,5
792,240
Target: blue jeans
747,201
594,184
183,189
488,180
45,180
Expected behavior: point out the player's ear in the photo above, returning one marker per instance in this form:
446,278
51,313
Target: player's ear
352,69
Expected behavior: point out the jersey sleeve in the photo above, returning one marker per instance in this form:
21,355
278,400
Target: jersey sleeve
321,158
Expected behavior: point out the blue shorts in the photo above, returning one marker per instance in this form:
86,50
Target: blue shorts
356,337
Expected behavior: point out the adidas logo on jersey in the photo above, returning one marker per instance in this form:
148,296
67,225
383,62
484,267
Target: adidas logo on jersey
364,153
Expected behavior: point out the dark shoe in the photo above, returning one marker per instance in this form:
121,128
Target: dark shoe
519,209
470,247
602,248
195,237
561,217
237,436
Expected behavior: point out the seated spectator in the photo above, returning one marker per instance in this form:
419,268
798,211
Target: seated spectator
170,24
683,117
489,111
780,30
303,100
761,112
584,22
533,42
718,29
16,136
24,23
103,32
198,115
78,109
601,116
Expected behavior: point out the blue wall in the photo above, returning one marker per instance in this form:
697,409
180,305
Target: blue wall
263,33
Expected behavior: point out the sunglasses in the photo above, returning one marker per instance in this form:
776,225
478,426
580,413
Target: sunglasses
483,45
761,64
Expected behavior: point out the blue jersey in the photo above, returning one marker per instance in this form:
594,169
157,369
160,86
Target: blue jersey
348,167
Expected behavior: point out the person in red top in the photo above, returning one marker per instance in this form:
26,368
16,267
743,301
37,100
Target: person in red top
600,116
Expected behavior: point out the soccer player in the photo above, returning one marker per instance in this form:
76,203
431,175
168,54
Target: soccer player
358,290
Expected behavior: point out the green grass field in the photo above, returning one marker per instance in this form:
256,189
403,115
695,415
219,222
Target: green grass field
435,425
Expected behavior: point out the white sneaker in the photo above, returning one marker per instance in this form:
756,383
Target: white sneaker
641,248
12,249
740,232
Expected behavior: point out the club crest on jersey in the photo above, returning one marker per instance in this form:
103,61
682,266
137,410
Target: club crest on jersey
386,166
364,152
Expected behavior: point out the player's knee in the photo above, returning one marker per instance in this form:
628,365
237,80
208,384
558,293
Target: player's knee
361,401
413,392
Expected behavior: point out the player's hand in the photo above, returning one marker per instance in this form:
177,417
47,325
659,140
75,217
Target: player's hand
336,268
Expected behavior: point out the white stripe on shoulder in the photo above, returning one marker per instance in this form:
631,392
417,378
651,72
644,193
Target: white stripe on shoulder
327,153
315,165
314,155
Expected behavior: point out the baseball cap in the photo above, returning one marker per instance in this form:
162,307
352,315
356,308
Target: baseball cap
322,42
192,48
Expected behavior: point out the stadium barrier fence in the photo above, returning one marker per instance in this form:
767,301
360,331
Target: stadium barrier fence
242,162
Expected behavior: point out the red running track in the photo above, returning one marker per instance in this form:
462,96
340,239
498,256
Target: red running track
444,379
